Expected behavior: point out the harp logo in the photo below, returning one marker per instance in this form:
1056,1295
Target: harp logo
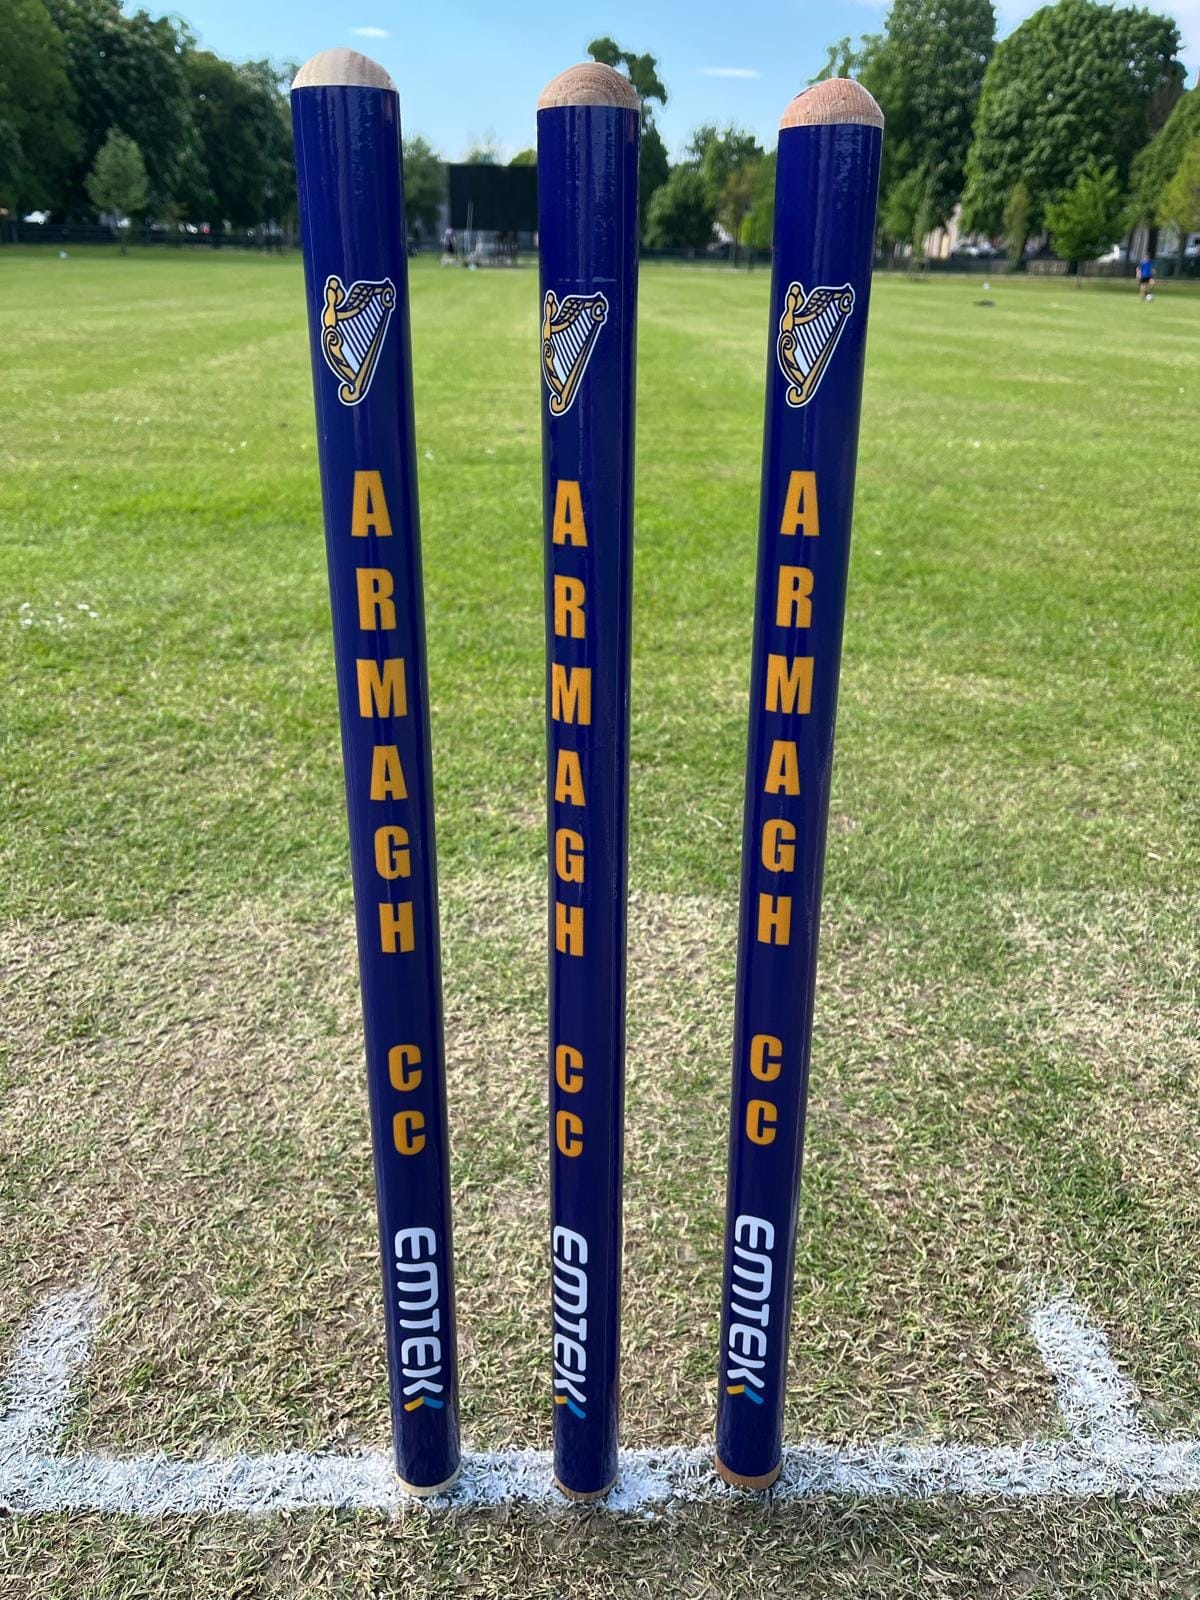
354,324
809,330
570,329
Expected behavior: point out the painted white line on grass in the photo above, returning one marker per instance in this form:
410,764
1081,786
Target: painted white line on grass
52,1348
1095,1398
1108,1452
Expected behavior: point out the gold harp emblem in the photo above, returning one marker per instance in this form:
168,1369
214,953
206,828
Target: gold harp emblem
353,325
809,330
569,334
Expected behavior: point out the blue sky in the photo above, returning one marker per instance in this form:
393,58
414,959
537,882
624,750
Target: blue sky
465,67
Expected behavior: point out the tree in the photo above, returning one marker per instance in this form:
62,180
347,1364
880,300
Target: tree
760,222
128,72
1077,82
39,144
905,203
926,73
642,72
424,182
1155,165
1180,204
654,168
245,146
117,183
1016,222
726,161
483,152
845,59
1088,217
524,158
681,215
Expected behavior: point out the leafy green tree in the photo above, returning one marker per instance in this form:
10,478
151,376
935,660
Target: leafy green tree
524,158
903,206
1016,222
1077,82
424,182
642,72
483,152
845,59
1180,203
240,116
654,168
727,160
926,73
1088,217
760,222
1155,166
128,72
117,183
39,144
681,214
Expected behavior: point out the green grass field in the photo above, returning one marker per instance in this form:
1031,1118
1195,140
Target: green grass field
1005,1068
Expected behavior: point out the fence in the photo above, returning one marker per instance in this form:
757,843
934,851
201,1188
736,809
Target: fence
81,233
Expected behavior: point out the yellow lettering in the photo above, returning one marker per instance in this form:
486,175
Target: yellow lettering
568,929
402,1057
571,694
568,1068
766,1057
569,526
370,514
568,778
568,855
569,595
382,694
800,505
793,598
406,1132
387,775
393,859
376,608
783,769
568,1133
396,928
761,1122
774,919
789,686
779,845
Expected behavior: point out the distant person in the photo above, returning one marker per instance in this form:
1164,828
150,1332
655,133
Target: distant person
449,247
1145,276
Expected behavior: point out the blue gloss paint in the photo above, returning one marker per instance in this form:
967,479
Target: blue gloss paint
352,219
825,194
588,222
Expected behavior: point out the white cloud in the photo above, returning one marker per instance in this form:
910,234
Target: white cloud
371,33
729,72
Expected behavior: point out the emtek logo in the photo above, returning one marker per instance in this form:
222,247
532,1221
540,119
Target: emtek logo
570,1253
749,1307
418,1296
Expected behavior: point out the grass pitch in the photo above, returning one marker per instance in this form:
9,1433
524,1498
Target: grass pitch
1006,1058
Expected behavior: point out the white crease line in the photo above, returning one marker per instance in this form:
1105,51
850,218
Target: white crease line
54,1345
1108,1452
651,1480
1096,1399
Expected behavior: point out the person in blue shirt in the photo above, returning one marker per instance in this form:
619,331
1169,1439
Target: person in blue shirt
1145,277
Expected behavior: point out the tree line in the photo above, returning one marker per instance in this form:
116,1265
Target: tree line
1077,125
103,110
